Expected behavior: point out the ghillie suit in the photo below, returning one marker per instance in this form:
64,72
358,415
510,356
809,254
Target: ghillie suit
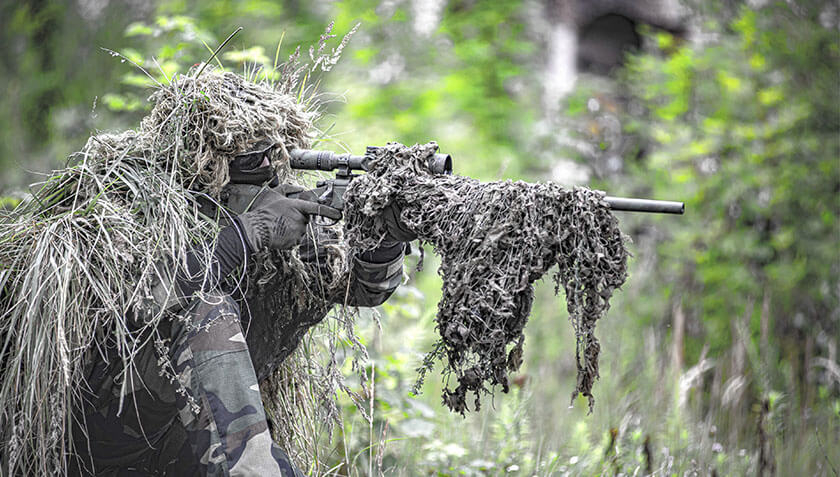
78,260
495,239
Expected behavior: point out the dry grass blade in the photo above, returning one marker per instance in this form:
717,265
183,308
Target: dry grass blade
216,52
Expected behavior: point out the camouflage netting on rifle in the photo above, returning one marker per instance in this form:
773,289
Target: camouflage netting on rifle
494,240
77,258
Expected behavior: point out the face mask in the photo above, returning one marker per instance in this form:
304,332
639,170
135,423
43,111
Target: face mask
249,172
253,167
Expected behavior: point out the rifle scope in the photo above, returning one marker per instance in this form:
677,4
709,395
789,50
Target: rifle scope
327,161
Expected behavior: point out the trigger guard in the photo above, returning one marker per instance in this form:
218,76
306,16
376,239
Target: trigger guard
326,197
325,221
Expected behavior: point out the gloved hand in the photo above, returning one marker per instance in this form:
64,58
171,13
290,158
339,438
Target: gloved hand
277,222
397,230
393,246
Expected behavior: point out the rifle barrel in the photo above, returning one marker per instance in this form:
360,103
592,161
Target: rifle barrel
645,205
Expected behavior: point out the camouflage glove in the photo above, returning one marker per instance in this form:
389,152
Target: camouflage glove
277,222
397,230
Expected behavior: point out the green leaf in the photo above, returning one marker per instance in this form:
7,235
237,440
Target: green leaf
770,96
255,54
138,29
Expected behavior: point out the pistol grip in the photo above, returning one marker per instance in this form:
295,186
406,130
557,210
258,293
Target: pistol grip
324,195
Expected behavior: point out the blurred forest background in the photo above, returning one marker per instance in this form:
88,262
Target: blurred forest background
720,354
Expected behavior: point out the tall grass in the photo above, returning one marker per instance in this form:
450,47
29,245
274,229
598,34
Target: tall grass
652,417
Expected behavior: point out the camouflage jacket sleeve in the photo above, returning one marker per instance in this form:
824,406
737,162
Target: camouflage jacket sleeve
376,275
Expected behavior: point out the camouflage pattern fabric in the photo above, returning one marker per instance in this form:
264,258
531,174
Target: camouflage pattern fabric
192,404
204,417
278,317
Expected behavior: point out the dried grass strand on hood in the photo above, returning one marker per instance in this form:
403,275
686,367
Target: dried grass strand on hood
77,259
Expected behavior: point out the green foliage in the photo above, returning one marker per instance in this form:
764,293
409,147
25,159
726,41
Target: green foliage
174,44
465,85
744,129
747,129
51,71
742,126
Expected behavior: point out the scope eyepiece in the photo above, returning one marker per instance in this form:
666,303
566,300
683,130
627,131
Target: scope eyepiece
440,164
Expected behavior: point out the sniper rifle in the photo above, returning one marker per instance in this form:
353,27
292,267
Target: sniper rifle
331,191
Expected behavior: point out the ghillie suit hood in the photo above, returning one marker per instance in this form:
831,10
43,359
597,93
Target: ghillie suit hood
77,259
495,240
